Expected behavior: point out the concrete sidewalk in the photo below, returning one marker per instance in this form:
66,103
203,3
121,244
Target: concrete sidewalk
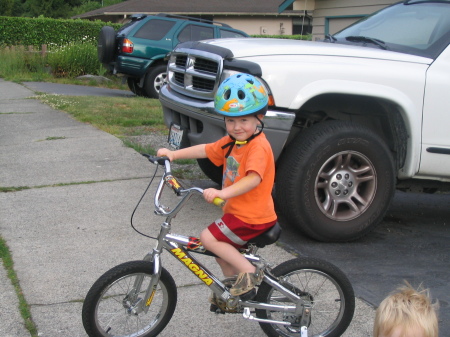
72,224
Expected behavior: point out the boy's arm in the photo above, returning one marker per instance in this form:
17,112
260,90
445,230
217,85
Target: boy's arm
192,152
249,182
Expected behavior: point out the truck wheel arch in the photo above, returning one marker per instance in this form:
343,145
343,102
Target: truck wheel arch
392,104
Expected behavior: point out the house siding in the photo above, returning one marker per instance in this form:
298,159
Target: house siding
256,25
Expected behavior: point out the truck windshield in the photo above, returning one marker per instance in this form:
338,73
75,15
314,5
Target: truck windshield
416,28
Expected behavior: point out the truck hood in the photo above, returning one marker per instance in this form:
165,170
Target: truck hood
251,47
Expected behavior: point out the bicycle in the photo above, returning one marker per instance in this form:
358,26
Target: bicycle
299,297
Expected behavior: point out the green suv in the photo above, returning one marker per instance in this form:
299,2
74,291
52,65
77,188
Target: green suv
137,50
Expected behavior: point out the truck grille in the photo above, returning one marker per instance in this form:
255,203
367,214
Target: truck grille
195,74
181,61
206,65
203,84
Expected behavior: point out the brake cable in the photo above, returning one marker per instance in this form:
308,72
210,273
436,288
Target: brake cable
139,202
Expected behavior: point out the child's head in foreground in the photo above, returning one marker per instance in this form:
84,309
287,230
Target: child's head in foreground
407,313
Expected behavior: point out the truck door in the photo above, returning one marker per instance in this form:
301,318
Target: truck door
435,159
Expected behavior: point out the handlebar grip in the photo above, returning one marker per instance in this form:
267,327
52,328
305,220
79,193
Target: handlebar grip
219,202
154,159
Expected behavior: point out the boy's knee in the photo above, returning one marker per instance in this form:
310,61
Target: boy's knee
206,237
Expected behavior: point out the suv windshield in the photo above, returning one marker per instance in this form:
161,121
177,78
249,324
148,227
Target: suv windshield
421,28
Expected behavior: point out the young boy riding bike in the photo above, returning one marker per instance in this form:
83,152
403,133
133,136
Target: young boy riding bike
248,178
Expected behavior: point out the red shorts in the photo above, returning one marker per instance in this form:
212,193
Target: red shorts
236,232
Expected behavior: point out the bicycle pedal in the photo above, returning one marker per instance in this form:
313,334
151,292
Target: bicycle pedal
248,295
215,309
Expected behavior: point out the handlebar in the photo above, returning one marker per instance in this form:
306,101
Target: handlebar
169,180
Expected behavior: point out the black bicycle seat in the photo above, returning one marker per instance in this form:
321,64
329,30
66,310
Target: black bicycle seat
268,237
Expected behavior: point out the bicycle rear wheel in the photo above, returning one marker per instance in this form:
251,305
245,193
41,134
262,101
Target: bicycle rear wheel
108,308
322,285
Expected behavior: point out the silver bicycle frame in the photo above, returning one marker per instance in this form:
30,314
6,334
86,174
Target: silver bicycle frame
176,245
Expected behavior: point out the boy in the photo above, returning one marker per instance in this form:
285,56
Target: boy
248,177
406,313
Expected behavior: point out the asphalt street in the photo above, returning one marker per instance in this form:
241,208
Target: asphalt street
75,90
411,243
71,222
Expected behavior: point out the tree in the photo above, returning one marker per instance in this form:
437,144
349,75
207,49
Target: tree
7,7
87,6
50,8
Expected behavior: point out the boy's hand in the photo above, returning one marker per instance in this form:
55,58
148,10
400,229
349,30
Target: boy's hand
210,194
165,152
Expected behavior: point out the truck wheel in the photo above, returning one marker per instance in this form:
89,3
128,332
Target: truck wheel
212,171
133,85
154,80
335,181
106,44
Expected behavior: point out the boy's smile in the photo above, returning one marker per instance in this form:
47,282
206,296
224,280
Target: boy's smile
241,128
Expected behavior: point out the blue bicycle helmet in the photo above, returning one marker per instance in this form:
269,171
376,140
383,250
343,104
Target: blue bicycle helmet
241,95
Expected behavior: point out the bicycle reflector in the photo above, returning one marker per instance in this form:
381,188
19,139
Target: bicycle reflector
173,183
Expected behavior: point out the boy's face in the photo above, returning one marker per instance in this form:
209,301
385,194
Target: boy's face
242,128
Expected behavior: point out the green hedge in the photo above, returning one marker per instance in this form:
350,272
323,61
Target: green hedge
15,31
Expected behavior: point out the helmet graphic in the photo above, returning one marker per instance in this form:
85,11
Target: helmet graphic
241,95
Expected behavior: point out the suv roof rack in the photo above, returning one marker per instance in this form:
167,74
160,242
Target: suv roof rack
136,17
190,18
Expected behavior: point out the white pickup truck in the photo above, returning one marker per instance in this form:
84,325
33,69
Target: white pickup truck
351,118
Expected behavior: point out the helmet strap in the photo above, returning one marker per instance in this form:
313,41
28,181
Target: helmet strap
242,142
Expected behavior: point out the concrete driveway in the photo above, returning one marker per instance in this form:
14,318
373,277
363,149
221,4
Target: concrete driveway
72,223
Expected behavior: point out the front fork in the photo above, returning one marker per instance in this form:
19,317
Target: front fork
132,300
140,304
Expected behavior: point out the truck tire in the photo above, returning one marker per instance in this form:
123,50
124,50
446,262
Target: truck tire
154,80
106,44
212,171
335,181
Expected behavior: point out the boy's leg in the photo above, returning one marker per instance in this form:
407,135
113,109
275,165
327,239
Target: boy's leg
233,261
227,253
227,269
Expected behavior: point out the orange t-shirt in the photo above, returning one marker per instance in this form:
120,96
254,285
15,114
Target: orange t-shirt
256,206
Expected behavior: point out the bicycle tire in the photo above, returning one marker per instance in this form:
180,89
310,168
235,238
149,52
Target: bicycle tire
101,313
327,289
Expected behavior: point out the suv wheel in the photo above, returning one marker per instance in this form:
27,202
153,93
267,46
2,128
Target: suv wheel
106,44
335,181
154,80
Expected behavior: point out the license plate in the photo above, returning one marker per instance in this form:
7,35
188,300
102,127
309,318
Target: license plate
175,136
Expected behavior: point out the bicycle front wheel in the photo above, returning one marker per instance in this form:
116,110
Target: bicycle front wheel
320,284
108,308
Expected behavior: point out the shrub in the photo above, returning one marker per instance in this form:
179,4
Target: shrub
16,31
19,63
74,59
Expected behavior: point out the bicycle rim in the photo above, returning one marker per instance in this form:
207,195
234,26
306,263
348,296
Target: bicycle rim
328,293
113,315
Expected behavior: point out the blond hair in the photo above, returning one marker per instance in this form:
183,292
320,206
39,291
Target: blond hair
407,310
